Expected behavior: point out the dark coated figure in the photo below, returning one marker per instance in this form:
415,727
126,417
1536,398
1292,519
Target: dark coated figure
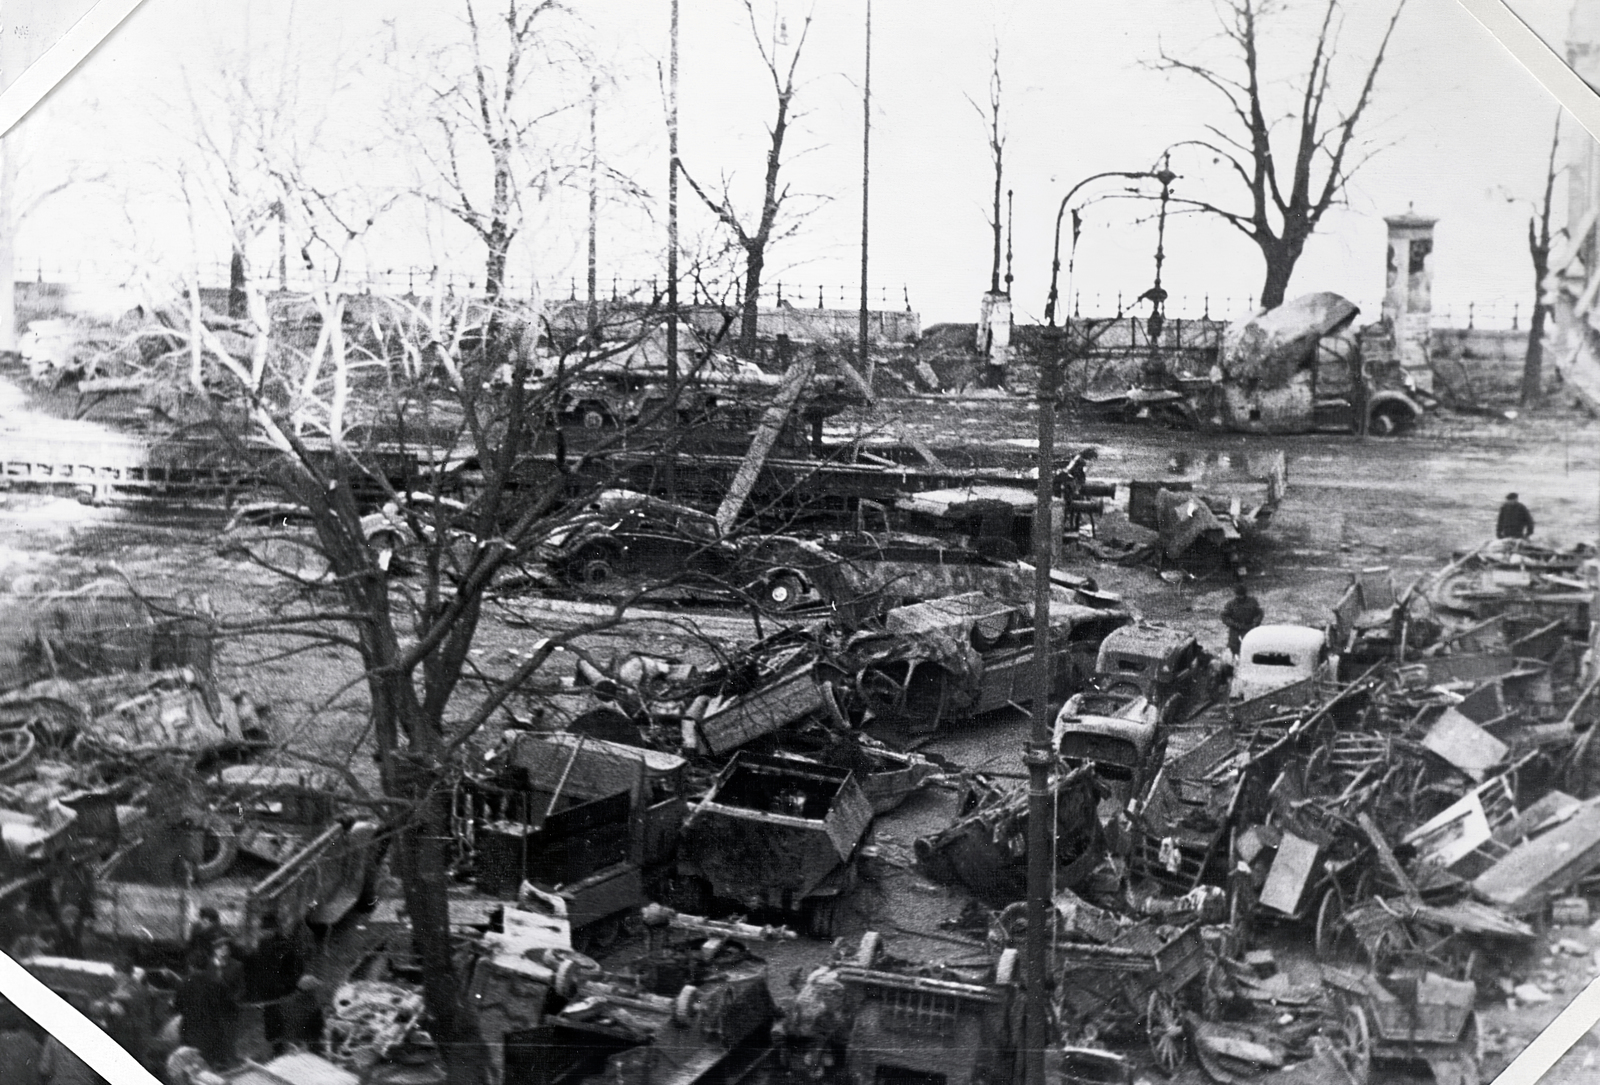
1514,521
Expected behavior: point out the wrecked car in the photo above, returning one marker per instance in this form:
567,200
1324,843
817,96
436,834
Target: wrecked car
1118,733
1164,665
270,841
777,833
1273,658
622,534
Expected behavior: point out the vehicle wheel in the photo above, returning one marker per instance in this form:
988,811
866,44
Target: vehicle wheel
1330,924
1164,1029
591,416
783,590
1352,1044
218,849
596,567
1388,423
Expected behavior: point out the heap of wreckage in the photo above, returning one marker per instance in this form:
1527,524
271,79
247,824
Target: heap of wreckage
1399,794
1400,785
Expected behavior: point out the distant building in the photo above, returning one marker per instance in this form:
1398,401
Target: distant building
1573,287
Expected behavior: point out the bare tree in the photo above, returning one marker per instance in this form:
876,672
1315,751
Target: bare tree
1539,251
1282,208
989,113
755,236
491,98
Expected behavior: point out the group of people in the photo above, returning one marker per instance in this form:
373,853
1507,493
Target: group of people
221,981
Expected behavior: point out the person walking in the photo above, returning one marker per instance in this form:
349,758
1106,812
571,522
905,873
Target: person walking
1514,521
208,1003
1241,614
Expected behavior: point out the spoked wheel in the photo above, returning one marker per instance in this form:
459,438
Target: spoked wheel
1164,1028
1330,924
1352,1044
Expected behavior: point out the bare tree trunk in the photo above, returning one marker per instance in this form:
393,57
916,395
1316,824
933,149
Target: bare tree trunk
755,261
421,865
1280,260
1533,361
238,301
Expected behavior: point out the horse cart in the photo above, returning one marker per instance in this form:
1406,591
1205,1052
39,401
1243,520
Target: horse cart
1141,978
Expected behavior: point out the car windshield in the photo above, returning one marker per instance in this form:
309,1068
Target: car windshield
1272,659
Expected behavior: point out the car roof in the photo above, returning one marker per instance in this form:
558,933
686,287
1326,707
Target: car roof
1284,636
1146,639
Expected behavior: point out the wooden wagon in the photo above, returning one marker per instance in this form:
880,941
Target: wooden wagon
1141,977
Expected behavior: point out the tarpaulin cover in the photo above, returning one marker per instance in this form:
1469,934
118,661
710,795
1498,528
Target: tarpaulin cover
1270,346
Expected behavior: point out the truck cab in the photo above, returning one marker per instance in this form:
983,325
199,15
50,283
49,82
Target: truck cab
1120,734
1166,666
1273,658
268,840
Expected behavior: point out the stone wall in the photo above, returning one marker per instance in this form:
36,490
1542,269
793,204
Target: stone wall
1479,366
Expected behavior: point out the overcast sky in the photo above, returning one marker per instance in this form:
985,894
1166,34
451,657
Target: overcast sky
1459,123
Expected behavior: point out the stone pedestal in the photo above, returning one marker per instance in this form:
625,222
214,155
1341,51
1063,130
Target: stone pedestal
1408,293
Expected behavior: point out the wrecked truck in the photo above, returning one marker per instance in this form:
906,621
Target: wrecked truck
589,820
867,1019
1302,367
271,841
777,833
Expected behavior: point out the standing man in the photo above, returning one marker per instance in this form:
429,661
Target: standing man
1240,614
1514,521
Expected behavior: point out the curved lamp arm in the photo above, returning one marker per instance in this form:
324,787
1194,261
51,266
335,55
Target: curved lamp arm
1166,177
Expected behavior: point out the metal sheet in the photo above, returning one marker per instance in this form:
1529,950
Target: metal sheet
1464,744
1291,870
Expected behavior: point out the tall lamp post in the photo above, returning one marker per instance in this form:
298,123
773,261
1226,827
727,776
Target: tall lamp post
1040,754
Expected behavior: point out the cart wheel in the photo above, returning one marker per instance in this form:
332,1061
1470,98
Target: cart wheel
1241,915
1352,1044
1363,889
1164,1028
1330,923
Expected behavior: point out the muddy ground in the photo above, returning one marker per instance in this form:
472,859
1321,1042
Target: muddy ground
1403,503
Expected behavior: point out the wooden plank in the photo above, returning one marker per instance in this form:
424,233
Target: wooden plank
1545,866
1291,869
768,709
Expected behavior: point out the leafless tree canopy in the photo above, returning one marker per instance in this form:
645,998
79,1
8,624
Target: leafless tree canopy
754,237
1281,206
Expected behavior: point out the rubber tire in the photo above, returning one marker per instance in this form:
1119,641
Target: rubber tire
227,850
782,591
592,417
596,567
